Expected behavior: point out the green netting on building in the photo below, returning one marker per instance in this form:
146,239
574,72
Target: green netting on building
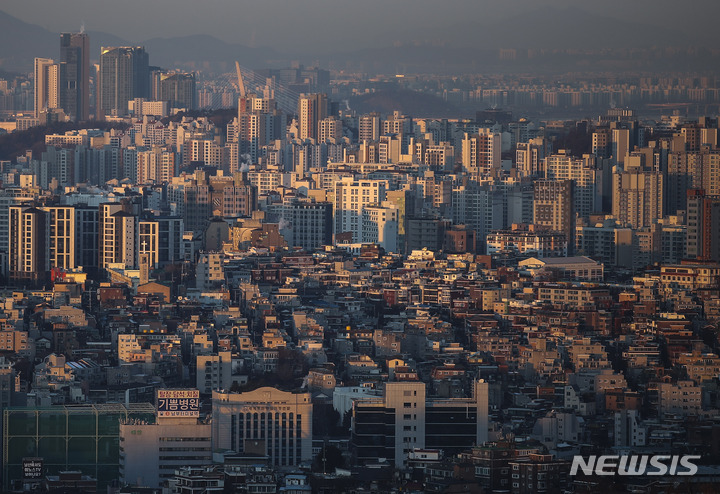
83,437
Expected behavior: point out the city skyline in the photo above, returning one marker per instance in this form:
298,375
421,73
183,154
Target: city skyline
485,260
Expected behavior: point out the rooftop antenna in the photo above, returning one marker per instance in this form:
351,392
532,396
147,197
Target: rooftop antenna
82,27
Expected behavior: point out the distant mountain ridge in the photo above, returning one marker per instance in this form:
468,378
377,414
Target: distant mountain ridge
21,43
469,46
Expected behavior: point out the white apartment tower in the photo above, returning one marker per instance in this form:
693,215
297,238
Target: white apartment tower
47,85
481,153
118,234
380,226
351,198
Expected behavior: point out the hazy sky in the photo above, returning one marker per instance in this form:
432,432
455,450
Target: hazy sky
329,24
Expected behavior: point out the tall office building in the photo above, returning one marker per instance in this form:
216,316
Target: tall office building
86,236
312,108
75,75
553,207
124,75
405,419
47,85
176,87
307,224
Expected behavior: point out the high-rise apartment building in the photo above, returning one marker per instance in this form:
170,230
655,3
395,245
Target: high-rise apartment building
481,153
312,108
259,123
47,85
638,198
380,226
60,165
155,166
369,127
124,75
118,234
400,126
160,239
351,197
40,238
703,226
479,208
601,143
582,172
27,245
330,129
529,157
10,196
620,144
553,207
75,75
193,203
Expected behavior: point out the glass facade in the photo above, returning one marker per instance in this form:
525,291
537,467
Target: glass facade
450,428
373,434
83,437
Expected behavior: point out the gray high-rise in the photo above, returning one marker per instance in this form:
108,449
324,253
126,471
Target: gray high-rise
75,75
124,75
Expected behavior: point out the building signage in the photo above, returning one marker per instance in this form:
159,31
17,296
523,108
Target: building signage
178,403
32,468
